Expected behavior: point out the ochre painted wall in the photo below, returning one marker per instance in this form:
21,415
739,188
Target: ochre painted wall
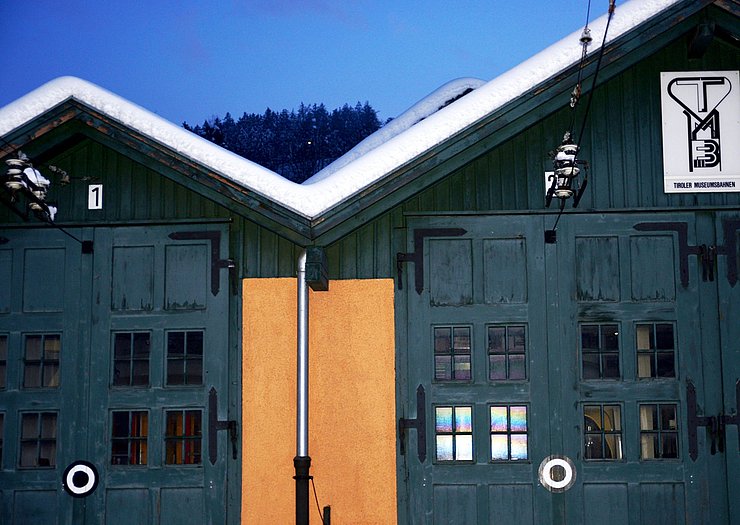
352,421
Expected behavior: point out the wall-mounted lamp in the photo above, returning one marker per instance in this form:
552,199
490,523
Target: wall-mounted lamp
563,181
22,179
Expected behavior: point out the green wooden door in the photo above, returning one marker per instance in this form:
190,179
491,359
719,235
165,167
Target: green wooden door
141,341
577,355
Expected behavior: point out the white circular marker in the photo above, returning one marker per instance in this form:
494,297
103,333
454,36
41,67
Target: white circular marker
545,473
80,479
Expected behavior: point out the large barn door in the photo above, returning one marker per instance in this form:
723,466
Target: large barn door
561,383
137,333
476,421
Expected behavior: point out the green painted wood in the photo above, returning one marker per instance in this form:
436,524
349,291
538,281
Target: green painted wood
601,270
137,280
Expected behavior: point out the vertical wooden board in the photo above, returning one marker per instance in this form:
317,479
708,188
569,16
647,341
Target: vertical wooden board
606,503
187,276
268,251
181,505
133,278
597,269
662,504
450,272
510,505
365,251
652,268
504,271
32,507
43,281
127,507
348,267
6,277
455,504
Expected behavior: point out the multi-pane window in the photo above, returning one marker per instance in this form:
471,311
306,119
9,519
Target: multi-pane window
600,351
131,359
602,431
509,439
454,433
452,351
507,352
185,358
3,360
41,361
656,350
38,444
183,438
129,432
658,431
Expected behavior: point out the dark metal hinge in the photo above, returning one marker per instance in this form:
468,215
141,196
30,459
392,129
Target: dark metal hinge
215,424
417,257
217,263
419,423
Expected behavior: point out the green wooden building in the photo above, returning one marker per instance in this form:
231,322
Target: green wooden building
549,366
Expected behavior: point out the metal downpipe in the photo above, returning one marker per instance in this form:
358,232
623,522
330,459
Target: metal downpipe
302,461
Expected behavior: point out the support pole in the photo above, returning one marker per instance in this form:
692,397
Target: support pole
302,461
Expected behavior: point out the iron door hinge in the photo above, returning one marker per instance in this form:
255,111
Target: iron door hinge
215,424
419,423
217,263
693,421
417,256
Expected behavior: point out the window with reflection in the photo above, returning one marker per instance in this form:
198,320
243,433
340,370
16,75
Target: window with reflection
131,359
3,361
452,353
183,437
453,427
38,440
656,350
507,353
41,361
658,431
600,351
129,433
185,358
509,433
602,432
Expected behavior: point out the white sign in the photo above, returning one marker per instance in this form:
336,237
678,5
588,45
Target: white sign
701,131
95,197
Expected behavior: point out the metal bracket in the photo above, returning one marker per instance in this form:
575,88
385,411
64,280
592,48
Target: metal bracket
725,420
693,421
217,262
417,257
419,423
215,424
707,254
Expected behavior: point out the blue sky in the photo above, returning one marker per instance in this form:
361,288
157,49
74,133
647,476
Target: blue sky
189,60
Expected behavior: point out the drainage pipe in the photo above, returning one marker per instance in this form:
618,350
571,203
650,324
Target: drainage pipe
302,461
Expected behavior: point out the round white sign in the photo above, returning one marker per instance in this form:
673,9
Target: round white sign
80,479
562,483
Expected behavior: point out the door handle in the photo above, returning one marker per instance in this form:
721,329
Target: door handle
419,423
215,424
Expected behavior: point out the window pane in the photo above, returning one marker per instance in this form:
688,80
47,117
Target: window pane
590,337
664,336
610,337
444,419
462,367
591,369
613,446
33,347
518,446
665,366
499,447
517,368
463,419
594,447
442,340
645,365
516,339
645,337
499,420
648,417
461,342
444,447
669,445
668,417
443,367
497,367
496,336
464,447
612,418
32,375
518,416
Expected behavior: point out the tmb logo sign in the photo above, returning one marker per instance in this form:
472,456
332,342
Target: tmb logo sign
701,131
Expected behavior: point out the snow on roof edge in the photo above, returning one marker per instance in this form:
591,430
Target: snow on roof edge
319,196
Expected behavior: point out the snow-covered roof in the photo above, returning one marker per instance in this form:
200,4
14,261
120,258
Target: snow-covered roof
416,131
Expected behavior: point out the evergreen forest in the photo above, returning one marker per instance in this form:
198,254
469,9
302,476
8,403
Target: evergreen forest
297,143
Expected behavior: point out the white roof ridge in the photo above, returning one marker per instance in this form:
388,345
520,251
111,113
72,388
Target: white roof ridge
313,199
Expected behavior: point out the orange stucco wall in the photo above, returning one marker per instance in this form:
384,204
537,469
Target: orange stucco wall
352,437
